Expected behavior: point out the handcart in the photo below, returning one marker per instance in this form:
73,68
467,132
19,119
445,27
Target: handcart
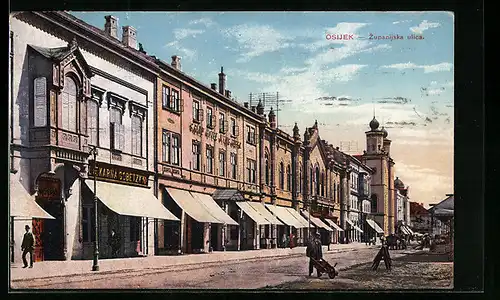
324,267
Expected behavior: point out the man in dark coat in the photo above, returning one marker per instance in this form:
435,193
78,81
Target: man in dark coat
314,250
27,246
114,243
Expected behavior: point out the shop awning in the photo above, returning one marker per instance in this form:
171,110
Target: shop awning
282,214
228,194
404,230
334,225
22,204
258,206
296,215
317,222
192,206
252,213
214,208
354,226
375,226
130,200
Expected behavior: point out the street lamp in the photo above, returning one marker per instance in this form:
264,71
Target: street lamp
95,266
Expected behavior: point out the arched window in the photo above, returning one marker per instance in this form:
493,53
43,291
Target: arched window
299,185
267,169
334,192
282,176
317,177
288,178
322,184
69,105
311,182
374,203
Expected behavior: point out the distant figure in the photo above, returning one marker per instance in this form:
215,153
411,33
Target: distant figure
314,250
27,246
114,243
292,241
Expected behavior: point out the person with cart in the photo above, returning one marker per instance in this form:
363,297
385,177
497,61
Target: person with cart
314,251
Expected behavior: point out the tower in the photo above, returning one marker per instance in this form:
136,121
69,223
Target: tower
382,185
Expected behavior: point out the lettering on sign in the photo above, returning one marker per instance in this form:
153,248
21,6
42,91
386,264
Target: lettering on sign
229,141
108,172
40,99
196,129
49,188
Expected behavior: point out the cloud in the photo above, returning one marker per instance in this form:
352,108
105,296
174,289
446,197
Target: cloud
424,26
341,74
427,68
256,40
182,33
432,92
403,21
203,21
186,53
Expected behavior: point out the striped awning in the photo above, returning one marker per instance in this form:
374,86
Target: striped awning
316,221
333,225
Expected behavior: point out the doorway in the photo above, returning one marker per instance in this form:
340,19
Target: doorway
49,233
214,235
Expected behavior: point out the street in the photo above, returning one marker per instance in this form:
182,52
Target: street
249,274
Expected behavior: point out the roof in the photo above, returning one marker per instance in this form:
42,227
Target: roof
447,204
228,194
417,209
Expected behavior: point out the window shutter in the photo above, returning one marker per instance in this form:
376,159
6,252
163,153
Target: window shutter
121,133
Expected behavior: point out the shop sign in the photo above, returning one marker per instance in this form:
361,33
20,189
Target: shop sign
118,174
49,188
196,129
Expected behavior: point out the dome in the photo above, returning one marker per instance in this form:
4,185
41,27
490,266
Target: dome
374,124
385,132
398,183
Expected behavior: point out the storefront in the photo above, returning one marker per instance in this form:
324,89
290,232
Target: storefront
127,207
353,231
325,231
204,225
23,211
293,224
375,231
333,224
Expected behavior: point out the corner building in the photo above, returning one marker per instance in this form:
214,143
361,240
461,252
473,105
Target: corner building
74,86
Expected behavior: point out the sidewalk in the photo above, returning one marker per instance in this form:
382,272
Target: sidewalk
81,267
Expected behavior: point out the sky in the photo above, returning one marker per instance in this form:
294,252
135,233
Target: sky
339,68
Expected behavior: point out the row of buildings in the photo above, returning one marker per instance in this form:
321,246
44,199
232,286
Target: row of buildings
170,164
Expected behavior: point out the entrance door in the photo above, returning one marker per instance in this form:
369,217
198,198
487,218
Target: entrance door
49,233
214,234
37,226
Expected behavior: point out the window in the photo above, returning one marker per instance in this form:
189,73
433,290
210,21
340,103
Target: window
222,123
282,176
222,163
334,192
135,229
93,123
267,169
88,229
210,159
311,182
197,112
210,118
196,155
115,115
288,178
170,151
299,185
165,99
233,165
251,135
374,203
117,129
69,105
136,135
338,193
234,127
317,181
322,184
251,170
174,103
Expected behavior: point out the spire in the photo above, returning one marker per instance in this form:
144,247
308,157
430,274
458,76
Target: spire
296,132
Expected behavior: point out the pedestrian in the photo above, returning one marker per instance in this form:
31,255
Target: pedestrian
292,241
27,246
114,243
283,241
314,251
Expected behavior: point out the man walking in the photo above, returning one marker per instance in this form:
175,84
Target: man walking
27,246
314,250
114,243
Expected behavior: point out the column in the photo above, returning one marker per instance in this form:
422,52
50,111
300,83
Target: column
256,236
182,234
240,229
206,237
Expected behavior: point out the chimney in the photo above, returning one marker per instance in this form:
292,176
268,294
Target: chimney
176,62
245,104
213,86
222,81
129,37
111,26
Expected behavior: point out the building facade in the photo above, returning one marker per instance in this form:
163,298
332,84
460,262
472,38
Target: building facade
73,89
420,218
